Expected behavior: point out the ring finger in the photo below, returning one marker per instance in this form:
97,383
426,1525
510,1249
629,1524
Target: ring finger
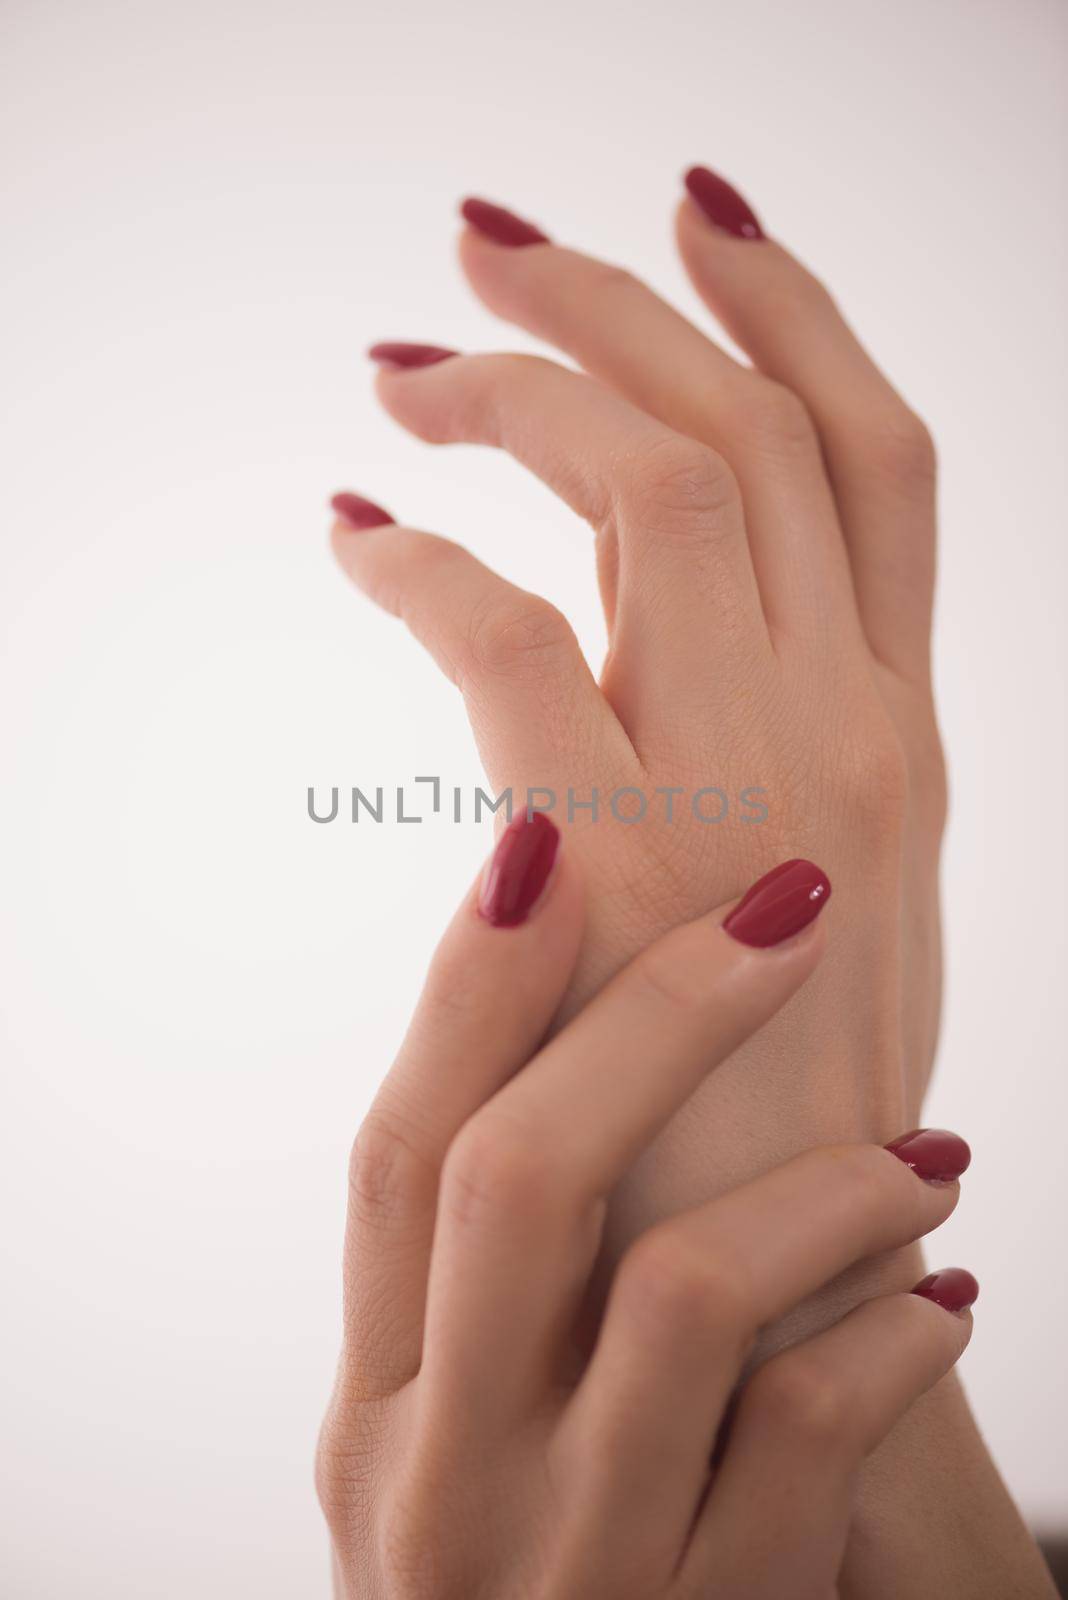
693,1293
803,1426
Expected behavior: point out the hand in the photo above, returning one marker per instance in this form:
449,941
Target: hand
765,550
765,542
475,1444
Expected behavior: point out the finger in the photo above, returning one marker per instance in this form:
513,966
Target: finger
778,1510
536,711
620,331
681,594
524,1184
879,456
494,983
691,1295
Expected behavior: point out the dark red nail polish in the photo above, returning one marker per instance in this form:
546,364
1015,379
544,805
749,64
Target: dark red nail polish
722,205
954,1288
394,353
358,512
502,226
934,1154
519,869
780,904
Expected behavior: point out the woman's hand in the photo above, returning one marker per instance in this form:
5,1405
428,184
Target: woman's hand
765,544
480,1440
765,548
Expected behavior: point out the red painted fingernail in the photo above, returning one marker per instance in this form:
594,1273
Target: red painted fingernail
502,226
934,1154
722,205
519,869
780,904
394,353
954,1288
358,512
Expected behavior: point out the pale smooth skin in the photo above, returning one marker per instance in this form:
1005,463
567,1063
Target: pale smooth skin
765,547
476,1444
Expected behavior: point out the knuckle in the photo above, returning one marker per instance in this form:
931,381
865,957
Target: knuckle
902,450
800,1401
930,785
871,1183
942,1339
491,373
454,993
521,636
495,1173
875,782
330,1481
385,1169
680,487
344,1472
605,277
483,390
680,984
774,418
674,1287
793,298
386,1502
500,376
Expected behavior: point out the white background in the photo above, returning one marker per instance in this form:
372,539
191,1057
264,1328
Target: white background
211,209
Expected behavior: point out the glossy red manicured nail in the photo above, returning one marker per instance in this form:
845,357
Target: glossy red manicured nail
780,904
954,1288
519,869
358,512
502,226
934,1154
394,353
722,205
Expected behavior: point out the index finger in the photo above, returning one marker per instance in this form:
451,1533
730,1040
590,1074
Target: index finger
600,1092
524,1182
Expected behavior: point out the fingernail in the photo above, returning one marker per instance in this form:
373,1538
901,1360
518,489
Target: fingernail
396,354
780,904
519,870
934,1154
502,226
722,205
954,1288
358,512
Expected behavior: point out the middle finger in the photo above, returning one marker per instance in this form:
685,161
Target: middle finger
620,331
